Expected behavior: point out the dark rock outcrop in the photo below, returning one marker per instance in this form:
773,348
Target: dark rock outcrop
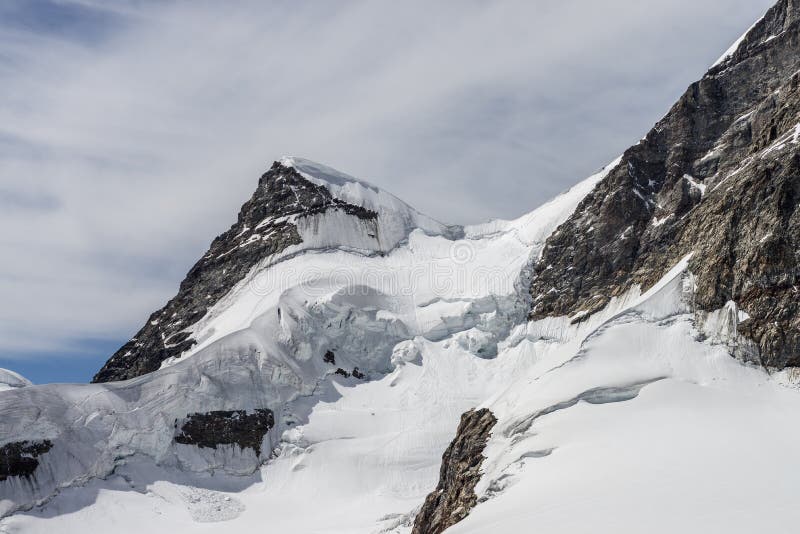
20,458
454,495
216,428
355,373
261,230
718,176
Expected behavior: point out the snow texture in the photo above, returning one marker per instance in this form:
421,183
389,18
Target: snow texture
12,380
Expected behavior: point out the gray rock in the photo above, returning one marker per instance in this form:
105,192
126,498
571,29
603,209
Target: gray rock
19,458
216,428
454,495
719,176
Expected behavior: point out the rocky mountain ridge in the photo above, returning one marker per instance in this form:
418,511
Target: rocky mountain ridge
587,345
719,176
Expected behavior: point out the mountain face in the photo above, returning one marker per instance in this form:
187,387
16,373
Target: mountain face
339,362
265,227
719,176
367,291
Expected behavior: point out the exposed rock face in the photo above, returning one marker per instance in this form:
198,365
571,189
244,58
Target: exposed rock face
216,428
19,458
264,227
719,176
454,495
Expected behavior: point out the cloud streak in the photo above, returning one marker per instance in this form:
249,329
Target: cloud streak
130,134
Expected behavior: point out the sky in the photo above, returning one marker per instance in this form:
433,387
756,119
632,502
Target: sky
132,130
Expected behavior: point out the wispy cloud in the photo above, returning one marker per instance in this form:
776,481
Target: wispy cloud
130,132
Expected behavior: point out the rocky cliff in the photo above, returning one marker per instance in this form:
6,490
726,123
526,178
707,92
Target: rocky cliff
454,495
719,177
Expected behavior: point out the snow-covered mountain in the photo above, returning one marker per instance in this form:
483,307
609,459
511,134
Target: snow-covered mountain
623,358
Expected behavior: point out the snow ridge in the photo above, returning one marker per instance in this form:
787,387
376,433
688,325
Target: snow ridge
11,380
397,217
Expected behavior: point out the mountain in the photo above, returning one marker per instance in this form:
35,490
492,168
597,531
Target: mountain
623,358
298,206
368,292
717,176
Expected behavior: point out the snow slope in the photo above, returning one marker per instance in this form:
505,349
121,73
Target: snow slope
624,422
642,427
11,380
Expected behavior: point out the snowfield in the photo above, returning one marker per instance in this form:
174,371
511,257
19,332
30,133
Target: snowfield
634,420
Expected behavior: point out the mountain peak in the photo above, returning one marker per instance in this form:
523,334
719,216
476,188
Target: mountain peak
322,174
298,206
393,211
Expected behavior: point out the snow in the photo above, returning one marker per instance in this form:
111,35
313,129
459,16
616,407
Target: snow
658,222
535,227
680,457
677,449
630,420
428,268
12,380
396,218
732,49
701,187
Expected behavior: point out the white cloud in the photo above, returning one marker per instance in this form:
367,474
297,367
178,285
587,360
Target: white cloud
123,152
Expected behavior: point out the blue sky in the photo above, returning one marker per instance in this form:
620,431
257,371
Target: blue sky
77,362
131,131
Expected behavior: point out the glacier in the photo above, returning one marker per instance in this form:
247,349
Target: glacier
633,418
